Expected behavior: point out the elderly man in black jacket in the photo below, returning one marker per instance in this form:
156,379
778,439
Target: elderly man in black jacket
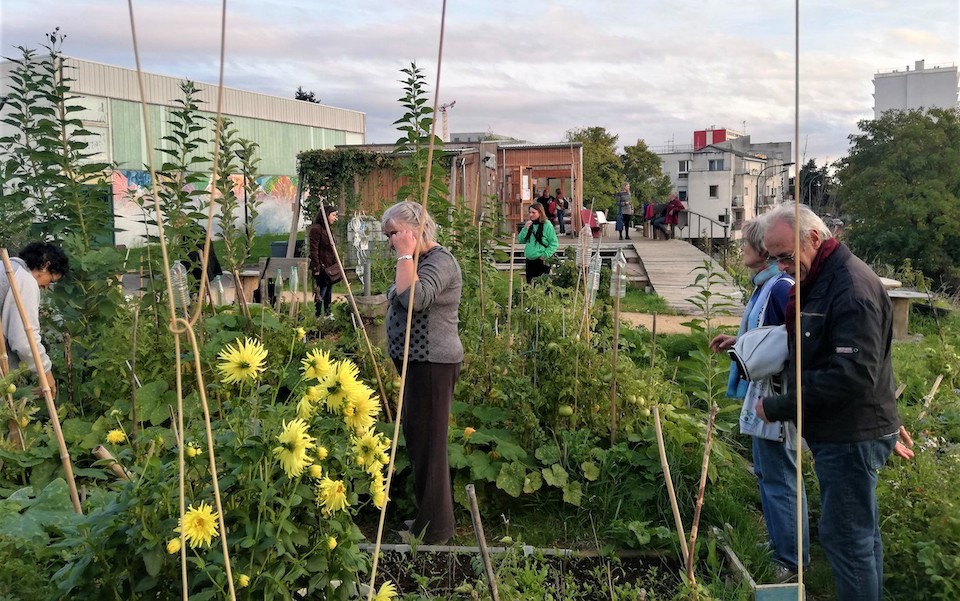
849,409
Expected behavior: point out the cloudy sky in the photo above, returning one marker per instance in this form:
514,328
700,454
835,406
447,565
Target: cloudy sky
534,69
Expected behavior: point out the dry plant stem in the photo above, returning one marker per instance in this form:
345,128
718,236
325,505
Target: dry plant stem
513,246
239,295
384,400
613,365
101,452
44,385
927,399
669,479
483,314
482,542
703,486
899,391
412,296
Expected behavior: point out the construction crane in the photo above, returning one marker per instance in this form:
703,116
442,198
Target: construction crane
443,110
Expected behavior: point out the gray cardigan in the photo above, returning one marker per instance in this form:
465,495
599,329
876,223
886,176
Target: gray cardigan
435,337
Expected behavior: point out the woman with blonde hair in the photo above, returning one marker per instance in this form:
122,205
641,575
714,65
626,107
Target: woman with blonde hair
433,365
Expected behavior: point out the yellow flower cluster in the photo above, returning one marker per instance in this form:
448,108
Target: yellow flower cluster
116,437
340,391
332,496
243,362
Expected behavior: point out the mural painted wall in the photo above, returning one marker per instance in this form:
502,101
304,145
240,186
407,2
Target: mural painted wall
275,194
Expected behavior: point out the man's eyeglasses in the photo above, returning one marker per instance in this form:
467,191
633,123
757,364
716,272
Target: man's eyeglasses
784,258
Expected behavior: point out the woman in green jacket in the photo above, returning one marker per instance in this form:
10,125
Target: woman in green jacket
540,242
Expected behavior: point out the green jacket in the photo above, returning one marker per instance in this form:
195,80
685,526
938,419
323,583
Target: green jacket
539,246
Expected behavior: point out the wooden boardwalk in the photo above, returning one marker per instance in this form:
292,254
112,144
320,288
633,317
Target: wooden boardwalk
669,267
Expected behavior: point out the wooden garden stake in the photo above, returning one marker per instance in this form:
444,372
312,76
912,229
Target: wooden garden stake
101,452
482,542
44,385
513,245
133,370
703,485
927,399
666,474
613,363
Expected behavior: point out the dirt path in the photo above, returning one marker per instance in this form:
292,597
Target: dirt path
671,324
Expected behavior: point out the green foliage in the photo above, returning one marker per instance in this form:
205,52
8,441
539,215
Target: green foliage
602,170
642,168
331,174
901,187
237,239
413,146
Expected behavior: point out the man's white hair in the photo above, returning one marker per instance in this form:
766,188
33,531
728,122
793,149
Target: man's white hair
809,221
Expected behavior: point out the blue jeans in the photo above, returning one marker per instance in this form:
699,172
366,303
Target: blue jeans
850,520
776,468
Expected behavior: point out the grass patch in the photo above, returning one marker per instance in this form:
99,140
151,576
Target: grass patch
638,301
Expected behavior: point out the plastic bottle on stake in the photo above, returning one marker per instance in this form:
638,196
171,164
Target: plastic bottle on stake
278,288
593,276
178,280
618,277
294,280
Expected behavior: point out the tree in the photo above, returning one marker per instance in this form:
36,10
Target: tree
901,186
602,172
306,96
816,189
642,168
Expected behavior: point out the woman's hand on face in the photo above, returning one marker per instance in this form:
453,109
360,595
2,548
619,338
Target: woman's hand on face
528,224
404,242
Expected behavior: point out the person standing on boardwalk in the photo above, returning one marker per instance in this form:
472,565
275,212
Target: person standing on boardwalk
849,406
323,260
624,204
563,205
540,242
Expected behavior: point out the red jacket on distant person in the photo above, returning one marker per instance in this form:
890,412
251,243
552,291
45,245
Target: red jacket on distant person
673,211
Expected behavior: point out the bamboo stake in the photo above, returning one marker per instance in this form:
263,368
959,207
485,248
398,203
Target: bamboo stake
613,362
513,245
653,342
356,313
44,385
927,399
703,485
482,542
678,521
483,313
101,452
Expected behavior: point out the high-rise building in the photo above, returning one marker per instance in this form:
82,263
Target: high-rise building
920,88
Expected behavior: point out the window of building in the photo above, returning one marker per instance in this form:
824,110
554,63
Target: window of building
682,195
715,165
714,191
683,169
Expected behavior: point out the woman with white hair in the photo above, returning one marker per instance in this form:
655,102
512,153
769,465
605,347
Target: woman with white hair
435,355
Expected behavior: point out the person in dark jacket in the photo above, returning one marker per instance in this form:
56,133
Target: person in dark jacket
624,204
850,419
322,256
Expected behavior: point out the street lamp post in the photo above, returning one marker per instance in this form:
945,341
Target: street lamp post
761,173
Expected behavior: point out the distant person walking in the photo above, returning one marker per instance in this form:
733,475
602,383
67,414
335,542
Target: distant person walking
323,260
624,204
562,207
540,242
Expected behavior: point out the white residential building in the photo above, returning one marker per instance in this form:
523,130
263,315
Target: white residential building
921,88
724,180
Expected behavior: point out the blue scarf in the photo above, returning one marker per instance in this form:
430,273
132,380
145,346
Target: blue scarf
737,386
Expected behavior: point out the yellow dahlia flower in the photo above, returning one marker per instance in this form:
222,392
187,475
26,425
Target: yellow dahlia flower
371,449
332,543
243,581
316,472
116,437
341,384
243,362
360,410
294,443
387,592
173,546
378,491
332,496
317,365
199,525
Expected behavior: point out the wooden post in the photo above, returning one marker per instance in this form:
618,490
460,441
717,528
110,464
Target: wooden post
482,542
669,480
613,362
44,385
513,245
